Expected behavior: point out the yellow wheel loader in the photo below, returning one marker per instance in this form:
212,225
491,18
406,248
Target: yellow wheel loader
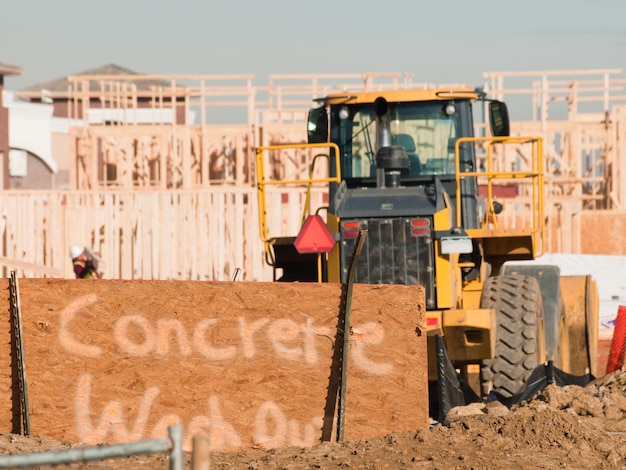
449,205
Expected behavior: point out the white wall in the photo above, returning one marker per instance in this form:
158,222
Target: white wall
30,127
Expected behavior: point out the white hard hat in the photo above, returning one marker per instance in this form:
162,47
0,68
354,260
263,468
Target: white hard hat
75,251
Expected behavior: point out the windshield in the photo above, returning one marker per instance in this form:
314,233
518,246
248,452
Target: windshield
427,131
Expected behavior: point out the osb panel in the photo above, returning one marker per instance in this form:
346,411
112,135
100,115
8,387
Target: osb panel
602,232
247,364
7,421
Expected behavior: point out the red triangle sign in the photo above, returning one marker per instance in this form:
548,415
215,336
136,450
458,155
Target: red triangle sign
314,236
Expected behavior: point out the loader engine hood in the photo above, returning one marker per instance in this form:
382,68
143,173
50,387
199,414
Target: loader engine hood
400,225
408,201
384,202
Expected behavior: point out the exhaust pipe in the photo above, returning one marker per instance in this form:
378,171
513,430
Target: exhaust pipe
391,160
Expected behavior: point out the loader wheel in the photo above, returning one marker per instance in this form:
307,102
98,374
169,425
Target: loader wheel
520,337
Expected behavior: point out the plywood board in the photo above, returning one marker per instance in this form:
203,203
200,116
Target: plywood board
249,365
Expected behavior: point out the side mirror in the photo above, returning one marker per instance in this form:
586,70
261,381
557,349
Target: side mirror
317,125
499,119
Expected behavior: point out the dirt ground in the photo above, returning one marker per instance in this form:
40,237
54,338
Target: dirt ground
563,427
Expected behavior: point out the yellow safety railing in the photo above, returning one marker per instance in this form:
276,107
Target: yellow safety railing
263,181
535,177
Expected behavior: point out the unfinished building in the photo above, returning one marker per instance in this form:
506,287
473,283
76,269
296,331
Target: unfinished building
162,167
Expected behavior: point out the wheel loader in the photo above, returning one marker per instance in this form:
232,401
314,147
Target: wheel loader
450,201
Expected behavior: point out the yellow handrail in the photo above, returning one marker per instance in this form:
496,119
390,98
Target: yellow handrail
263,181
535,175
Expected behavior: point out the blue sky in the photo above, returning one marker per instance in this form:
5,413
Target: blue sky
438,41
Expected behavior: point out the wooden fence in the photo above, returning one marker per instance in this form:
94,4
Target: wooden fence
207,234
204,234
201,235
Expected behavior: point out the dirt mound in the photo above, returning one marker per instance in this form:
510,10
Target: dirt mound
562,427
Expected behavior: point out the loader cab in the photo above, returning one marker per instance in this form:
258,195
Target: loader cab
426,130
399,154
426,125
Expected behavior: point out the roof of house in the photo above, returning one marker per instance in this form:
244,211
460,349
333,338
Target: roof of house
61,85
8,69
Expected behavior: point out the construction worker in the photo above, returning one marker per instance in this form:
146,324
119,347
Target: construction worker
85,263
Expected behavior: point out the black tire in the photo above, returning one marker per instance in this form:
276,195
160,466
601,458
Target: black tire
520,339
555,325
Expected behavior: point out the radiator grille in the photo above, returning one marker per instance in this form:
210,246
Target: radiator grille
396,251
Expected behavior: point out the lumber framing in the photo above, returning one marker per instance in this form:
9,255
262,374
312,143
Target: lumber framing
151,151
